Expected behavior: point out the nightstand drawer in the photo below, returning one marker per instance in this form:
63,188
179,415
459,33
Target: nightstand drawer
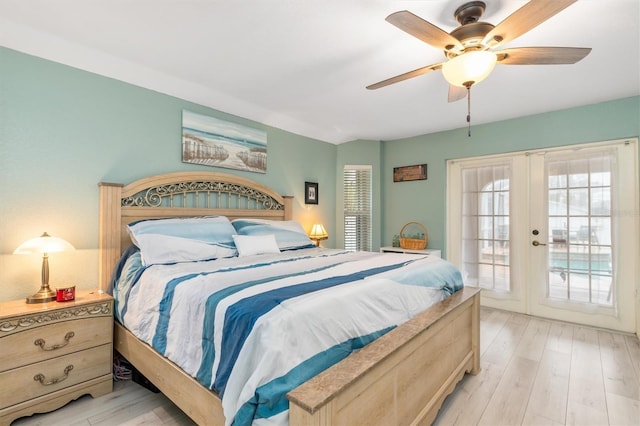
53,340
31,381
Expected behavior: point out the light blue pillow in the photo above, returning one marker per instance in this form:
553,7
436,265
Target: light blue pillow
289,233
176,240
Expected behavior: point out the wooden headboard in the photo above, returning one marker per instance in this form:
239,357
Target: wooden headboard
180,194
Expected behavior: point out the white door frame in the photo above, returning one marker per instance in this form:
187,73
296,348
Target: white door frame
529,261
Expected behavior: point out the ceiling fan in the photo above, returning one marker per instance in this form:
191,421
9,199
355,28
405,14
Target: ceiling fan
469,49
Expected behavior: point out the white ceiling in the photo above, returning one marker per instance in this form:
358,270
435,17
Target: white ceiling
302,65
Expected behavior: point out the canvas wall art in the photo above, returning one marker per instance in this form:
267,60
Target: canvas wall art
213,142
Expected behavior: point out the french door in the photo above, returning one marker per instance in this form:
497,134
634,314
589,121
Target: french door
552,233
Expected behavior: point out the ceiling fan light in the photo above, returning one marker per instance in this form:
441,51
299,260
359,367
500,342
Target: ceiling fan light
469,68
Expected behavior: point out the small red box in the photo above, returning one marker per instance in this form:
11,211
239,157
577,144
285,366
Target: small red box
65,294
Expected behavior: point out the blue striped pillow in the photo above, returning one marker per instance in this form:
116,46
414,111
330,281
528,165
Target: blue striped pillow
189,239
289,233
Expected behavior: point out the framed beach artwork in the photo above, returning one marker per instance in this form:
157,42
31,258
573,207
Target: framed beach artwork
213,142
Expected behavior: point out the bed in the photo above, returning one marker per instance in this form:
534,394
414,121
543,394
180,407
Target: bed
401,377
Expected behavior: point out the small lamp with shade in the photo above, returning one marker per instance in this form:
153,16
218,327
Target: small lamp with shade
318,233
44,245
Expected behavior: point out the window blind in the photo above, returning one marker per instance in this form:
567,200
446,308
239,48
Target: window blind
357,208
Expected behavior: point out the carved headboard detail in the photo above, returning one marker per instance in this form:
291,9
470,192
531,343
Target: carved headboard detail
180,194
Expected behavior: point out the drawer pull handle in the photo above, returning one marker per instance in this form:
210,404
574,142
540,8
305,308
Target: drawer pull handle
41,378
42,343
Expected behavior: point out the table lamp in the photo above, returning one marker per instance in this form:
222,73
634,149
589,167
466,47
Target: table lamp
44,244
318,233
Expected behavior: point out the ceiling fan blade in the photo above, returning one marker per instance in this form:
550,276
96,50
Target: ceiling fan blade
405,76
524,19
456,93
542,55
425,31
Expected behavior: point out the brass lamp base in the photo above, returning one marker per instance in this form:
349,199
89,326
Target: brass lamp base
45,294
317,241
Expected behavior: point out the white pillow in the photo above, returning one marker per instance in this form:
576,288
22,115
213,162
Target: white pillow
249,245
164,249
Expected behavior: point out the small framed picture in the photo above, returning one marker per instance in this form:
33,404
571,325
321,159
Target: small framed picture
310,193
408,173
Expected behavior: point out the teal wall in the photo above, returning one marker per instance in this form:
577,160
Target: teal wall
63,130
424,201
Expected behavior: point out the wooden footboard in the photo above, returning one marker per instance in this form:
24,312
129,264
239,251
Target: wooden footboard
401,378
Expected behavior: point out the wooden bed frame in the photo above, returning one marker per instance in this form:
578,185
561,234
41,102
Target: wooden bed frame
401,378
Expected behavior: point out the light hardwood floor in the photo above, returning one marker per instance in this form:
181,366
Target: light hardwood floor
534,372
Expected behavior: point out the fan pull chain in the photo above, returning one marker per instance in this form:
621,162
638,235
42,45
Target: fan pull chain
469,108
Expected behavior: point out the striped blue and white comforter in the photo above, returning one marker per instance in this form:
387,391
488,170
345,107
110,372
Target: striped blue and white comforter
253,328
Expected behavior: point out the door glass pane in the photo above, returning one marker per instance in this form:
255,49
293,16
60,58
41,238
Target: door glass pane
485,227
580,224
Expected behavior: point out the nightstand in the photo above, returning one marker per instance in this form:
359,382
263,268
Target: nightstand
52,353
430,252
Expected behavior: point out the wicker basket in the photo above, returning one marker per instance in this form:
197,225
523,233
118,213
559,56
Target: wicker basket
416,240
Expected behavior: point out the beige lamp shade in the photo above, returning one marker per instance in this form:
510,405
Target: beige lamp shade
44,245
469,68
318,233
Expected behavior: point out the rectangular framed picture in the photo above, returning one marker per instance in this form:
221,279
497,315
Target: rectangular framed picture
409,173
213,142
310,193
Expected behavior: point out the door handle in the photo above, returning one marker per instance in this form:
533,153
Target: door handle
537,243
